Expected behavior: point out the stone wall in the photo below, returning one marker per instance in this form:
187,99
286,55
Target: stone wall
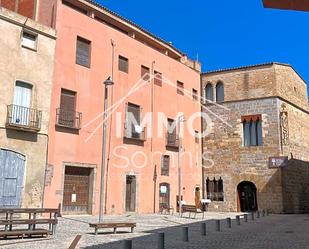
295,179
235,163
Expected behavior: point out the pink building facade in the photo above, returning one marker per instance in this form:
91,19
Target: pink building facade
153,82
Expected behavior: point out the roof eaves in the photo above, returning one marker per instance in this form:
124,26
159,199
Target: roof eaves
135,25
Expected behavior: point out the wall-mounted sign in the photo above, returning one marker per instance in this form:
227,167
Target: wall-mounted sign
73,198
278,162
163,189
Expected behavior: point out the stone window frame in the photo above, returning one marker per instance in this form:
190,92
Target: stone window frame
256,122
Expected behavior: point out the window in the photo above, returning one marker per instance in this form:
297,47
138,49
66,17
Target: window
123,65
197,137
252,130
165,165
214,189
145,73
66,114
219,92
29,40
133,127
180,88
158,78
83,52
209,92
21,113
194,94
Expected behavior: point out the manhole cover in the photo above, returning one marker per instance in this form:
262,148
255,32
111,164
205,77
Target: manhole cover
289,231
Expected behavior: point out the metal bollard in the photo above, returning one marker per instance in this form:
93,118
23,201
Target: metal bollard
128,244
238,220
185,234
258,215
246,217
263,213
203,229
161,241
229,222
218,226
267,212
252,216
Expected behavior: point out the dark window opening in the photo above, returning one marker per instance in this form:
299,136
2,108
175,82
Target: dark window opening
145,73
180,88
219,92
158,78
123,64
165,165
214,189
209,94
194,94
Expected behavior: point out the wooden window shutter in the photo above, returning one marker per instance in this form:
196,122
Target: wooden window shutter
123,64
67,100
145,73
83,48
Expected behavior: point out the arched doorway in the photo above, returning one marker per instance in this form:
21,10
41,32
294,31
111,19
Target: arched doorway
247,197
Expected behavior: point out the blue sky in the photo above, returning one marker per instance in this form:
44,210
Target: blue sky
224,33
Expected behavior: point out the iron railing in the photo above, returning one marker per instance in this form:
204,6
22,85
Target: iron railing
172,140
132,132
68,118
20,117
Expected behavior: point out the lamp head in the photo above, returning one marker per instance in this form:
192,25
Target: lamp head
108,82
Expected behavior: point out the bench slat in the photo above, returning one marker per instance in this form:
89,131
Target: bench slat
24,232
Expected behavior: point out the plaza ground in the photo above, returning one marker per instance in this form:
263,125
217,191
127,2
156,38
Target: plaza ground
274,231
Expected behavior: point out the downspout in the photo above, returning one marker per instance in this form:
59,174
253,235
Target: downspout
152,131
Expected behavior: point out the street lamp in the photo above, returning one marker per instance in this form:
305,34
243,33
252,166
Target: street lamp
107,82
181,119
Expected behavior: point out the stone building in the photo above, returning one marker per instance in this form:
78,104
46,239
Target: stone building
26,63
256,155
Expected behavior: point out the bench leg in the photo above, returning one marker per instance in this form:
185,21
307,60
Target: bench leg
96,231
115,230
189,214
132,229
54,229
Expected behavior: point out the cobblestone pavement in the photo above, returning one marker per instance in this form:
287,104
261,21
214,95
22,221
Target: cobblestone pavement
274,231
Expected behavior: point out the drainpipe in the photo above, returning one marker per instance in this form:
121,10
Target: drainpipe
152,129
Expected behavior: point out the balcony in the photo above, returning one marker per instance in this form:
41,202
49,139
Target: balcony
135,132
172,140
23,118
68,119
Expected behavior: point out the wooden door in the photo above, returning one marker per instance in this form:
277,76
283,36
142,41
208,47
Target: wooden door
12,166
130,193
164,196
76,190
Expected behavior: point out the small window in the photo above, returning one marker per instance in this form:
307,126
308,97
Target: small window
180,88
123,65
214,189
145,73
133,123
220,92
158,78
83,52
194,94
197,138
29,40
209,92
165,165
252,130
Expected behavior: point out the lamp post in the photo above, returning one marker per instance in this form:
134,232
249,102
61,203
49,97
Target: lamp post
180,119
107,83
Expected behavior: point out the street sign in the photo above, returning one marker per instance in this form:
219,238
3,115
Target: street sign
278,162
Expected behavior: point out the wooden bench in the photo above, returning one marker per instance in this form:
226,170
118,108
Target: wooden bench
15,217
24,233
191,209
115,225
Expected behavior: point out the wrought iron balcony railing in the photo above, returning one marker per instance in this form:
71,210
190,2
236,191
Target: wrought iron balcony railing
172,140
23,118
68,118
134,132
